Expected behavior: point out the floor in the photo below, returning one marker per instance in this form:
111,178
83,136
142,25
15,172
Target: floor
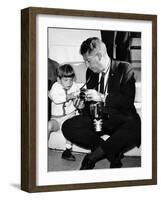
56,163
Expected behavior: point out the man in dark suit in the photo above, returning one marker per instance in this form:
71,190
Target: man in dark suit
112,83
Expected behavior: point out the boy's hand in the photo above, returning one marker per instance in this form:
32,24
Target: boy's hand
72,95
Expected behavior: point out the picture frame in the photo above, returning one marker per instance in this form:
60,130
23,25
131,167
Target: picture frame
29,96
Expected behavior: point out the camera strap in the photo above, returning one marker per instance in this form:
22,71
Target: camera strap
86,82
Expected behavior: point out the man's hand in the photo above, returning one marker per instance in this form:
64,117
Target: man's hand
93,95
78,103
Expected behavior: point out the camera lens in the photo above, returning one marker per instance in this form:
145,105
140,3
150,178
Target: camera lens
82,94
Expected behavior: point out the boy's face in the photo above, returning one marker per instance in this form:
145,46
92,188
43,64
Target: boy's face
66,82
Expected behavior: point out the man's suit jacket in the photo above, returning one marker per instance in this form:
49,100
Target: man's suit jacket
121,88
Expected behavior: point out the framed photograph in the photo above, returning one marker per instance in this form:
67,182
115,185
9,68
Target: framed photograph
114,145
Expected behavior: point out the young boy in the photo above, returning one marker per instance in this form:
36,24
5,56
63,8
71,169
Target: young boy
62,94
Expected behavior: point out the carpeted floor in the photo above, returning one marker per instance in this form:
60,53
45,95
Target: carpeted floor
56,163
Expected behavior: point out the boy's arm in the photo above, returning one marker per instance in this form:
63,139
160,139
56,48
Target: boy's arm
75,91
57,95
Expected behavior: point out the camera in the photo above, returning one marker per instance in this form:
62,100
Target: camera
79,102
82,94
95,109
96,115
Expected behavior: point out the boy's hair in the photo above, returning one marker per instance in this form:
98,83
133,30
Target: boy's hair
65,70
92,44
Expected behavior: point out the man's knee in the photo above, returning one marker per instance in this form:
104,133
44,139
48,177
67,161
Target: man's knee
134,121
134,125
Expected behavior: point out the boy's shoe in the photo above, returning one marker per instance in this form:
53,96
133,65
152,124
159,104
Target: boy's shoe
67,155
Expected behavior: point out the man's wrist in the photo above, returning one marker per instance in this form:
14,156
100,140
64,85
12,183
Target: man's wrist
103,97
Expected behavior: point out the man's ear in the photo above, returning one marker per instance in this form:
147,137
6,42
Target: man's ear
99,55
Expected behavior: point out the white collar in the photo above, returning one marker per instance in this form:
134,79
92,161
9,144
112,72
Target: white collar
107,67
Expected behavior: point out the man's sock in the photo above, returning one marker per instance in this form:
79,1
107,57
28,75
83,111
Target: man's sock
97,154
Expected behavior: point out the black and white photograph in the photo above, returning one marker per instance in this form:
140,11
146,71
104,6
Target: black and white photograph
94,99
90,106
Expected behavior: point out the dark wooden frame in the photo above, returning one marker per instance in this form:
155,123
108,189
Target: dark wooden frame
28,98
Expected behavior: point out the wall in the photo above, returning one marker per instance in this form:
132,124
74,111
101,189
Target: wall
10,99
64,44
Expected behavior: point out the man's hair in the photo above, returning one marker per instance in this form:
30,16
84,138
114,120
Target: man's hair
65,70
92,44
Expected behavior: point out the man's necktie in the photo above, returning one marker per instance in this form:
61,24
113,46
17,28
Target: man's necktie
102,83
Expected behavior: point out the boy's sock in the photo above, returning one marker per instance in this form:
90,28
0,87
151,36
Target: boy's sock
68,146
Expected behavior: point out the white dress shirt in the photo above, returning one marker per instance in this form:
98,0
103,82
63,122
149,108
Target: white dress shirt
106,71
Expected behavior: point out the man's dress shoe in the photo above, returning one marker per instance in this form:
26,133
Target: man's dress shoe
87,163
116,164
